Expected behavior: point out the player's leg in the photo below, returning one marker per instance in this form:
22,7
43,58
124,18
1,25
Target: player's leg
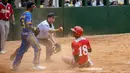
88,63
6,30
49,47
12,56
37,49
2,35
69,60
23,48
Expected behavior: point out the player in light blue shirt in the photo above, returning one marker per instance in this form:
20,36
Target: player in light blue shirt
28,39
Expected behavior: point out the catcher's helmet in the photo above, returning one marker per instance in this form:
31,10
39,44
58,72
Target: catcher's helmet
78,30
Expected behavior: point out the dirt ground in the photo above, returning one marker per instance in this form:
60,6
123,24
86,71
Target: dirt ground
110,52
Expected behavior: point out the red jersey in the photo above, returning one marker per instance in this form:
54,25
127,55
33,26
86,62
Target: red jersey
5,11
80,47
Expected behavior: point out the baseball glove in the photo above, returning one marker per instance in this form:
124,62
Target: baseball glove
36,31
57,48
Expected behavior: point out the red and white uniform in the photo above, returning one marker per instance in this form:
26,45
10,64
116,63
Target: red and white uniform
5,14
5,11
80,47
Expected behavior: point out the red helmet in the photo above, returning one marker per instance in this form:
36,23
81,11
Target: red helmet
78,30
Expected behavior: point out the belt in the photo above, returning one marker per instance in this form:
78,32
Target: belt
5,19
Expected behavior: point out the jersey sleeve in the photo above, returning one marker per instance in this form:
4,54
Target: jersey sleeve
11,10
28,18
75,47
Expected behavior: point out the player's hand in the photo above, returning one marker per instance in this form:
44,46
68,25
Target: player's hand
60,29
13,22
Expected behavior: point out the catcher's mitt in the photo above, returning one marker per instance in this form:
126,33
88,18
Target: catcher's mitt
57,48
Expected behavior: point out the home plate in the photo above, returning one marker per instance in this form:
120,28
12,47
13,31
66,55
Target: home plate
90,69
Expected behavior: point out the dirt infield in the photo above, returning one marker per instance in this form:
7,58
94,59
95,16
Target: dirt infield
110,52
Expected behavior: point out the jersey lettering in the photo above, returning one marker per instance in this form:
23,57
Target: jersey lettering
83,50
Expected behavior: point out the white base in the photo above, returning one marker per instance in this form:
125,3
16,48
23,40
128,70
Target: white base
90,69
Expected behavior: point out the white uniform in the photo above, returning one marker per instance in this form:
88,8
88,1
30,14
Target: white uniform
44,35
44,27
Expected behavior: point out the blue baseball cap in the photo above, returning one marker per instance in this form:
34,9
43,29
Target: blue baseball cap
29,4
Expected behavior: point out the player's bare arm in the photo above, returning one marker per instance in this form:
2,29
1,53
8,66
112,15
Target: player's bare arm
13,19
56,30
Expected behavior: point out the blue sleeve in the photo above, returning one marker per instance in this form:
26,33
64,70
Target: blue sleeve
28,18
